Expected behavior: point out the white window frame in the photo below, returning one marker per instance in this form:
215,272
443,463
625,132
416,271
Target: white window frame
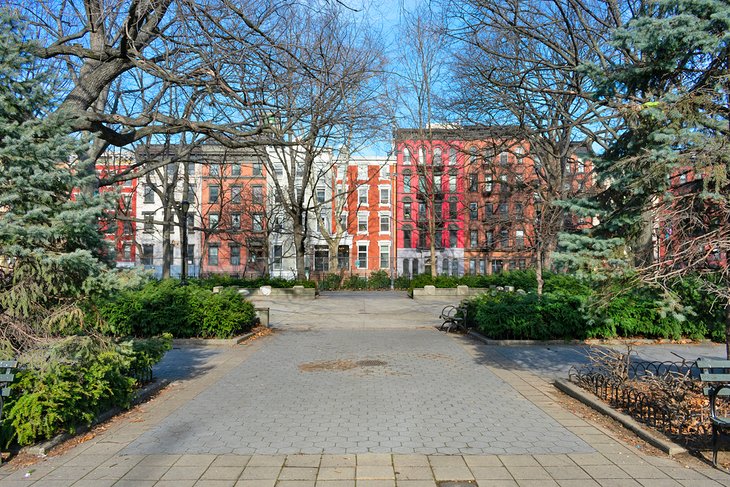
367,254
384,246
362,217
384,217
385,201
362,195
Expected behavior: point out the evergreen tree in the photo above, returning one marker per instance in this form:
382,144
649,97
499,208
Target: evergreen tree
667,191
50,245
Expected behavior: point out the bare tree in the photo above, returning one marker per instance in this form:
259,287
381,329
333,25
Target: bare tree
521,64
422,68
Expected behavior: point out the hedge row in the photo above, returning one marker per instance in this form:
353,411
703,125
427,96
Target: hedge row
571,309
182,311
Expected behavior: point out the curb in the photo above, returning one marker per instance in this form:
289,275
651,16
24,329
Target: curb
507,343
655,439
142,395
210,342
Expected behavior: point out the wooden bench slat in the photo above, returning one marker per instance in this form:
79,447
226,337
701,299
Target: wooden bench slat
5,392
705,363
8,364
708,377
722,393
6,377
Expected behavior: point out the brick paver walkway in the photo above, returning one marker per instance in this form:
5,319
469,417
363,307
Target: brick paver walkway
366,408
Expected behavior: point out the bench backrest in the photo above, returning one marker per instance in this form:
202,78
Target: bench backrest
716,372
7,374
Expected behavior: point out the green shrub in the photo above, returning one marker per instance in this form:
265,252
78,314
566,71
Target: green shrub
183,311
402,282
355,282
379,280
78,379
227,281
226,314
331,282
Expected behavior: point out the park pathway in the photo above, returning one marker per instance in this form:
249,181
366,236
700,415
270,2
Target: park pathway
353,389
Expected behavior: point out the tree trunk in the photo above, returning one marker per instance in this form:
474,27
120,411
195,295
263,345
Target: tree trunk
538,271
299,247
166,245
334,247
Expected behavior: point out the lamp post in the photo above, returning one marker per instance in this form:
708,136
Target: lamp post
184,206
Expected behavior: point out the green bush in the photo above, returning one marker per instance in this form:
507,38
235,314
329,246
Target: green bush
183,311
355,283
226,315
81,379
331,282
222,280
379,280
502,315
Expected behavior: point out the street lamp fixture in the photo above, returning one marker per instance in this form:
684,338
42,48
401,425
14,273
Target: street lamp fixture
184,206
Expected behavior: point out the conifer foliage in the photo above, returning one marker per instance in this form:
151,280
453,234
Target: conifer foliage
666,175
50,245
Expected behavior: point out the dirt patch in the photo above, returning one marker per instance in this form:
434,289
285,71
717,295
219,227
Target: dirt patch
324,365
259,332
370,363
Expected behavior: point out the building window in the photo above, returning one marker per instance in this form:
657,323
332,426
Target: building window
452,209
127,251
384,256
421,156
256,169
406,156
362,195
407,210
191,254
215,170
472,266
473,211
235,169
235,221
279,169
362,256
437,157
455,267
473,182
384,223
190,221
343,221
421,210
422,238
504,238
321,258
521,264
490,238
148,254
519,210
503,209
497,266
452,156
127,228
407,243
385,171
445,266
580,167
320,195
453,238
277,257
504,159
213,192
488,184
213,255
235,254
213,221
473,239
439,238
473,155
520,239
257,222
236,195
149,193
452,183
384,196
343,257
257,195
362,223
407,183
149,221
191,168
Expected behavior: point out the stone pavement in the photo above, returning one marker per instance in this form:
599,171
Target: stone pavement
439,407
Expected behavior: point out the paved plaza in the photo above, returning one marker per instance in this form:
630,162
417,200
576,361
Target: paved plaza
360,390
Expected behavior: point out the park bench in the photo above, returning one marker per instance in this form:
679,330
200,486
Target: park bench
454,318
716,374
7,374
